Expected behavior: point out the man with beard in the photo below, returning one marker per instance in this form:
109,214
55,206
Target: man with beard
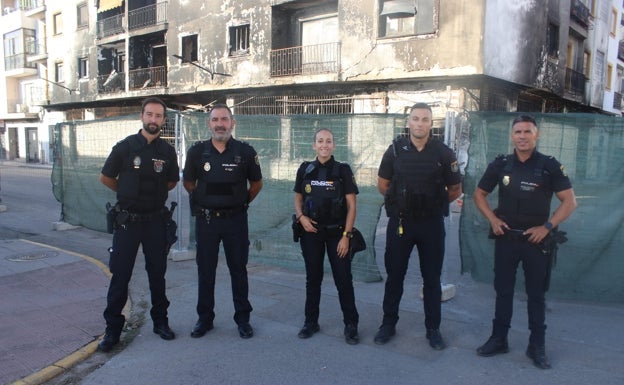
222,176
141,169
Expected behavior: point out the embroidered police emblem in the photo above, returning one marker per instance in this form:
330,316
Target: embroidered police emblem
207,166
308,189
257,160
158,165
506,180
563,171
136,161
454,167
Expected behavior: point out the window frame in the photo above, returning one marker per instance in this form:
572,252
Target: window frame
83,67
239,37
57,23
85,23
194,56
59,74
420,27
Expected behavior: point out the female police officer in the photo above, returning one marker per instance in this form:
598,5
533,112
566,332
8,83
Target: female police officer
325,207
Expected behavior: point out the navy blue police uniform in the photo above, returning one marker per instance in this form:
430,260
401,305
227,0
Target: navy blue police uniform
220,202
416,204
323,187
525,191
143,171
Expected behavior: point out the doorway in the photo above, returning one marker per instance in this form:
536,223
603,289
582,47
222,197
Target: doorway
32,145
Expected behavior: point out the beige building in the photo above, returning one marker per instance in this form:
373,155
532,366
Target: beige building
85,59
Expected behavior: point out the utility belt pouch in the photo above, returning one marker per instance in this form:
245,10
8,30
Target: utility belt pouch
111,217
297,229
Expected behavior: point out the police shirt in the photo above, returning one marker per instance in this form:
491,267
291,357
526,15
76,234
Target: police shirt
221,177
427,171
143,171
525,188
321,175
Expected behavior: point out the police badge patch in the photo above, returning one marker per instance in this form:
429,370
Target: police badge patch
257,160
506,180
308,189
136,161
158,165
454,166
206,166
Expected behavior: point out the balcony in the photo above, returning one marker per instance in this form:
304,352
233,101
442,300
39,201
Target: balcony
575,81
113,82
36,51
579,13
617,101
621,50
306,60
110,26
148,78
19,65
147,16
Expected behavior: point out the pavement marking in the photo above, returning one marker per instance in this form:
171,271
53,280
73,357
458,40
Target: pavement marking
62,365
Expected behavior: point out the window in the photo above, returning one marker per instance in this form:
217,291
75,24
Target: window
58,73
406,17
553,40
57,23
613,21
239,40
609,76
189,48
83,68
82,12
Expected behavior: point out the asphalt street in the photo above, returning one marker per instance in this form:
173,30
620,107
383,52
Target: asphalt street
585,341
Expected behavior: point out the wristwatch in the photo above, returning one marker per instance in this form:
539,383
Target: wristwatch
548,226
348,234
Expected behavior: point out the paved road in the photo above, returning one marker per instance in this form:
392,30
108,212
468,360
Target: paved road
585,341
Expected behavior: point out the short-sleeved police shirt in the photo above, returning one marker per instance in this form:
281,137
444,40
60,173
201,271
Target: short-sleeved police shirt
346,175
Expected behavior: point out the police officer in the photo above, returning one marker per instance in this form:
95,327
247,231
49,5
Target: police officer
526,182
142,169
325,206
418,177
216,175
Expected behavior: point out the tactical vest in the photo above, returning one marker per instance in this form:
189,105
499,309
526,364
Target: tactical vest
323,197
219,186
142,183
417,189
523,199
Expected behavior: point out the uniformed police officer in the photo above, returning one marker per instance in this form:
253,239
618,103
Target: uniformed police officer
526,182
325,206
418,177
216,175
142,169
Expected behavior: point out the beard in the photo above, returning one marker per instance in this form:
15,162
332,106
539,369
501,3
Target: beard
151,129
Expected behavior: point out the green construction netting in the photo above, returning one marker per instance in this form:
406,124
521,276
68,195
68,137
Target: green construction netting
590,265
282,142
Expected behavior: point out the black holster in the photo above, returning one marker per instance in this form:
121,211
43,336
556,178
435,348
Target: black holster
297,228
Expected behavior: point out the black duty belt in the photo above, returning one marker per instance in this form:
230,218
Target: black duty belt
146,217
514,235
222,213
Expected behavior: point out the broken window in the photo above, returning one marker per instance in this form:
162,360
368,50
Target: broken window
553,40
407,17
239,40
189,48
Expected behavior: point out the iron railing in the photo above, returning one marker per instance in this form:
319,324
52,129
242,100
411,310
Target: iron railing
305,60
110,26
146,16
579,12
617,101
147,78
575,81
113,82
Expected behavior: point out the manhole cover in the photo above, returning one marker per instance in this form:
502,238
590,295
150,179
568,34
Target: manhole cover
35,256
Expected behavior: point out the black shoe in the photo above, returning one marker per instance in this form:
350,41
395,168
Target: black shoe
108,342
537,353
493,346
435,339
351,334
384,334
245,330
201,328
163,330
308,330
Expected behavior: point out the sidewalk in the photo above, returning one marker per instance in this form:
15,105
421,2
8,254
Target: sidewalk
57,303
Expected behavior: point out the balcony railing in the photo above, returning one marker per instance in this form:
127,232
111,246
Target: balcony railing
148,78
579,13
18,61
23,5
110,26
305,60
617,101
146,16
35,47
621,50
575,81
113,82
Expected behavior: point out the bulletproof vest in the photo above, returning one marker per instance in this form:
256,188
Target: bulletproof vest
523,196
417,188
142,181
323,196
222,181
